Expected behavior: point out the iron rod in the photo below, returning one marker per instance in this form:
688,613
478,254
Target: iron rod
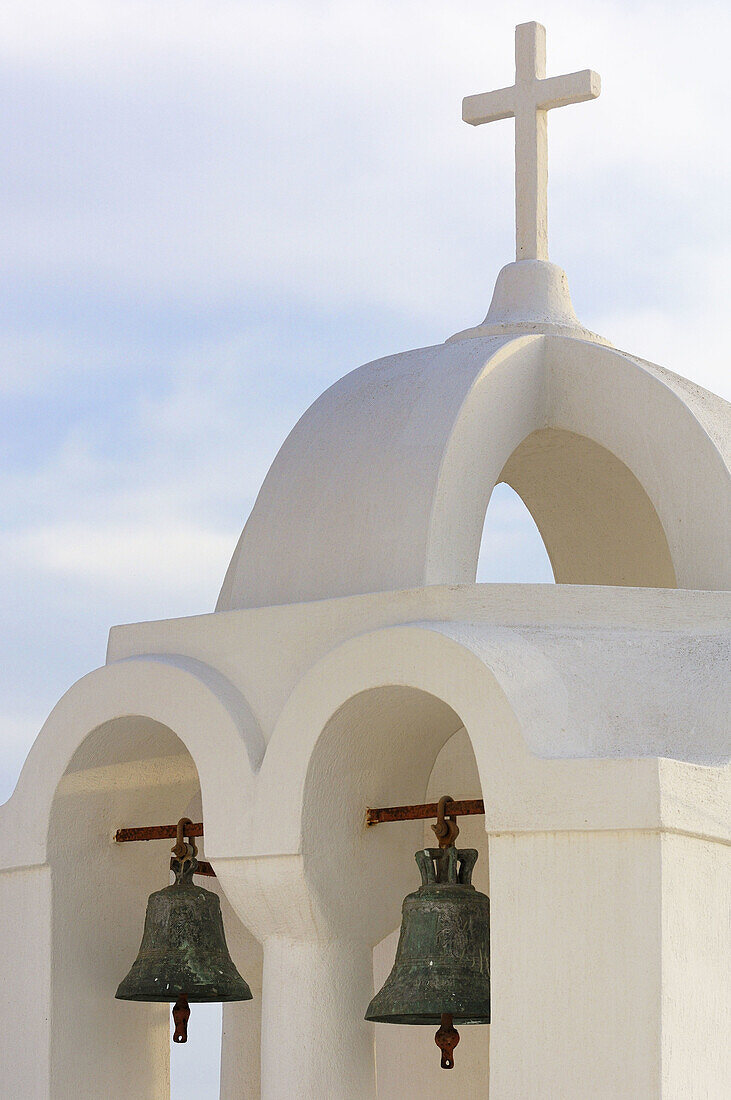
422,812
166,832
157,832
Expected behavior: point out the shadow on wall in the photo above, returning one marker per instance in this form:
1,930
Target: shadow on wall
596,522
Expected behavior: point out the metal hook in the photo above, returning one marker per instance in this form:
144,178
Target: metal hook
446,829
184,848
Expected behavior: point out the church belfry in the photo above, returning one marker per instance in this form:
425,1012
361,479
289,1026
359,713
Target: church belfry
353,662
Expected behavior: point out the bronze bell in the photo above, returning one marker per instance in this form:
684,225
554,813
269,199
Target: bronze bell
442,970
183,955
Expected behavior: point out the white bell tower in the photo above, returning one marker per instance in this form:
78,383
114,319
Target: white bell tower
352,661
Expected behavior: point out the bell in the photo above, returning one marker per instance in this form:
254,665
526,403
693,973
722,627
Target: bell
442,970
183,956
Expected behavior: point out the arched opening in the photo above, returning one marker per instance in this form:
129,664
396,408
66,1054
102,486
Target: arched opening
596,521
389,746
399,1046
128,771
512,550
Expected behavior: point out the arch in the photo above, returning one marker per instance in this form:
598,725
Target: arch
489,681
207,713
384,482
400,1049
597,522
132,742
378,748
127,770
364,726
667,464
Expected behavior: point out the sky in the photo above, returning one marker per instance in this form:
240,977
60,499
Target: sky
212,209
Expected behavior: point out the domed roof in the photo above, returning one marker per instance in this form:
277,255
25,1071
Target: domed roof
384,482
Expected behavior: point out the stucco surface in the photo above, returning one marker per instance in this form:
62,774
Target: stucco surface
589,712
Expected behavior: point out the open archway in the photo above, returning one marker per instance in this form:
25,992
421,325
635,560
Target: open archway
128,771
403,1052
137,741
567,509
598,524
392,745
511,550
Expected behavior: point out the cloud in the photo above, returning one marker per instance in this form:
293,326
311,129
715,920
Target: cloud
136,560
196,151
32,362
17,733
214,208
689,339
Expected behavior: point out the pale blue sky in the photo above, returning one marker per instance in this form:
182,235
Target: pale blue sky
211,210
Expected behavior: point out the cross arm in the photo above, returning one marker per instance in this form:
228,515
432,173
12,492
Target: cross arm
488,106
559,91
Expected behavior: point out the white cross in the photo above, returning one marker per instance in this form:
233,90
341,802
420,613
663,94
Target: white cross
528,101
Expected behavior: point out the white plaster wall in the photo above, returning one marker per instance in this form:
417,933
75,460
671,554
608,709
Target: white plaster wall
316,1043
670,433
241,1031
325,909
504,693
696,968
351,491
597,522
377,750
355,709
576,967
659,655
25,997
210,716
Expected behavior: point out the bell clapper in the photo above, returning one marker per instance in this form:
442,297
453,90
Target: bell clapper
184,852
446,1039
181,1015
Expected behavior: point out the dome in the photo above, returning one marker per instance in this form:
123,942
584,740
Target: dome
384,482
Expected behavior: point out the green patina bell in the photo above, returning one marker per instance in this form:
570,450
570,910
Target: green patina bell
183,955
442,970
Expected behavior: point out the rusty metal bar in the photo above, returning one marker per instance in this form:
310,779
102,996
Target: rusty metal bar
463,808
157,832
166,832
